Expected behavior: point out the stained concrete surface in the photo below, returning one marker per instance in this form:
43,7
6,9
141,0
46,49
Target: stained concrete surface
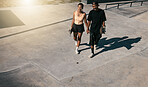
42,51
28,76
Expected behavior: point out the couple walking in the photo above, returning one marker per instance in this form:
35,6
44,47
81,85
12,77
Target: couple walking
96,19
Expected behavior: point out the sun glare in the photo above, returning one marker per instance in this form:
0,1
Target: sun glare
27,2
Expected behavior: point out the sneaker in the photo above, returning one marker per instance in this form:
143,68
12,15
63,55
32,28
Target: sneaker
77,51
91,55
95,47
76,43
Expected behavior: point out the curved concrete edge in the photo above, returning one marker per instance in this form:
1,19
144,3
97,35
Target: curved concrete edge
28,76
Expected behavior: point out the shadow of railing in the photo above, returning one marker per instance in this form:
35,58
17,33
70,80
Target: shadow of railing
138,14
86,44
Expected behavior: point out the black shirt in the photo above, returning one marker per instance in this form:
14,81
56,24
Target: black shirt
96,17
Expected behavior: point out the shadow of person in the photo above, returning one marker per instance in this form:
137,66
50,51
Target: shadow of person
84,48
104,41
115,43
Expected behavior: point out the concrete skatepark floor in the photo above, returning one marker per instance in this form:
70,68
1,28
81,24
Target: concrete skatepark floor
41,53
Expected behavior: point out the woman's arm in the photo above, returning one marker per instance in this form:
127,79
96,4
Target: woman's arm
85,21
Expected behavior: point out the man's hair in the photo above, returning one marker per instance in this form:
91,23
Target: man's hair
95,3
81,5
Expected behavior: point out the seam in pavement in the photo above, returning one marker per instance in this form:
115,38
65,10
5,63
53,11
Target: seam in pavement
33,64
14,69
116,59
44,69
144,49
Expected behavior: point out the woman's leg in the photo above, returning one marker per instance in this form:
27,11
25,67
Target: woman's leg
78,42
79,38
75,36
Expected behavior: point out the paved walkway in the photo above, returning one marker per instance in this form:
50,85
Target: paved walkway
41,53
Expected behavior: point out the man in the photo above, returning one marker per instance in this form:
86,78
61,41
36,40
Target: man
97,20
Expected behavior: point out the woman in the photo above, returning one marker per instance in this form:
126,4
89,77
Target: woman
77,25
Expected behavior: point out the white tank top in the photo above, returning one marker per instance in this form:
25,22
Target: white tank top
79,19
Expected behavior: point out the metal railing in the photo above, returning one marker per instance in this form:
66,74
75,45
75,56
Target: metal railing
104,1
126,2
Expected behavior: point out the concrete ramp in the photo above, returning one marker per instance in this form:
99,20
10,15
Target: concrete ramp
9,19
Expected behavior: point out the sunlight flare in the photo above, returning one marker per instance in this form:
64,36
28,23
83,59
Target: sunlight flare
27,2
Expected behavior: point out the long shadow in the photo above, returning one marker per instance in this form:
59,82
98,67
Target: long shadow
115,43
84,48
103,42
85,44
138,14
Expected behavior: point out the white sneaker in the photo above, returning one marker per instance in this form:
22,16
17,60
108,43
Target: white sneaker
91,55
76,43
96,47
77,51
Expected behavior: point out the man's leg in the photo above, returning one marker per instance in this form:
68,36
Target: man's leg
92,44
97,38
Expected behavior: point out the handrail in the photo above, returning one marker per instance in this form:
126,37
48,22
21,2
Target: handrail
126,2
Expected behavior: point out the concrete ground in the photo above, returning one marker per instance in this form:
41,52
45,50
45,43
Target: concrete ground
37,50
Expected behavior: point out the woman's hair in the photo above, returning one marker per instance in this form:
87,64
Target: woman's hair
81,5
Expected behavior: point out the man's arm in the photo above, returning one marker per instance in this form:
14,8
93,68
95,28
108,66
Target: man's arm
103,24
104,19
88,27
89,21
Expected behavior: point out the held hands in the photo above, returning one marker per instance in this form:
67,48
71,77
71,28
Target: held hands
88,31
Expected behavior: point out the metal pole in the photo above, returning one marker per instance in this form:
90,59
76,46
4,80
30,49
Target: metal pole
106,7
118,5
141,3
131,4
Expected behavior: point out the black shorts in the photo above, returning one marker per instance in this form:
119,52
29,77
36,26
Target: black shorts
78,28
94,38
